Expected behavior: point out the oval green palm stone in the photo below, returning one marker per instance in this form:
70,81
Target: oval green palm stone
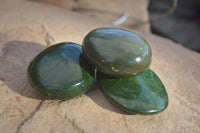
142,94
117,52
59,72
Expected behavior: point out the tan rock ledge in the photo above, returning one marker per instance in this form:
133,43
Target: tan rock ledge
27,27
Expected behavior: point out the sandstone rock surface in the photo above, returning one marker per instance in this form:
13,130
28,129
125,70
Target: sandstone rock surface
28,27
111,10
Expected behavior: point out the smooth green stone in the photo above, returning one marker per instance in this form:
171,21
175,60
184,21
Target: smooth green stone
117,52
59,72
143,94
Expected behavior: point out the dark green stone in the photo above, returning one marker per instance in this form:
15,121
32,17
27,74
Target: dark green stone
142,94
59,72
117,52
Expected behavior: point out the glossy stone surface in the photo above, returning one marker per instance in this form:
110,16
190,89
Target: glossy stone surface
59,72
117,52
142,94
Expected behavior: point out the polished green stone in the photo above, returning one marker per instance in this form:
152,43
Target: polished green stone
60,72
143,94
117,52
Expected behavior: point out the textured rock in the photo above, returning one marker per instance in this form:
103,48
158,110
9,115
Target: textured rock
111,10
60,3
26,30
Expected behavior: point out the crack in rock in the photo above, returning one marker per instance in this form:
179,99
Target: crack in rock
79,130
76,128
48,38
29,117
35,28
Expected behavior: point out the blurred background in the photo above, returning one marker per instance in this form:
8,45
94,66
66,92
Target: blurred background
182,25
178,20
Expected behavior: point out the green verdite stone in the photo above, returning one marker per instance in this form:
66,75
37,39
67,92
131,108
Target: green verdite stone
143,94
117,52
59,72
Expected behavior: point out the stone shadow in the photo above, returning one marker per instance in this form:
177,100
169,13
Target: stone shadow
99,98
94,92
14,61
15,58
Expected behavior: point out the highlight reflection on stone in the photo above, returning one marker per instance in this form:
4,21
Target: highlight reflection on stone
143,94
59,72
117,52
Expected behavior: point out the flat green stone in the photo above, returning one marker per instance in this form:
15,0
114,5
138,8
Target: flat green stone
59,72
143,94
117,52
